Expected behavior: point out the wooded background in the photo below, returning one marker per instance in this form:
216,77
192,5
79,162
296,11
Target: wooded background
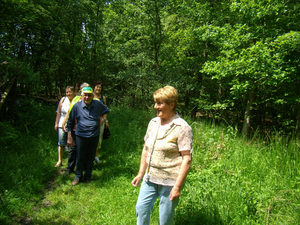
236,61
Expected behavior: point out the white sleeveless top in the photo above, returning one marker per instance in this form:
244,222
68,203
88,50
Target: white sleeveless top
64,109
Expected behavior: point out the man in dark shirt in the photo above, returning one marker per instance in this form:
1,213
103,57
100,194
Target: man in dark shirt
87,113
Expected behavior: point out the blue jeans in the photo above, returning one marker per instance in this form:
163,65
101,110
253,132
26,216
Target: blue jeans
86,150
149,192
62,137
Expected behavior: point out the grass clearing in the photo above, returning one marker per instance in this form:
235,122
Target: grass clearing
231,181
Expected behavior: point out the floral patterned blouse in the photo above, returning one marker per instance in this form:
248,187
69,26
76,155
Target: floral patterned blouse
165,159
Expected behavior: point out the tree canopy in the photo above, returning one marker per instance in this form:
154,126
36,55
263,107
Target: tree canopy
234,60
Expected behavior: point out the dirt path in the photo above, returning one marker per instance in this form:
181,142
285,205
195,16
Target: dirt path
27,220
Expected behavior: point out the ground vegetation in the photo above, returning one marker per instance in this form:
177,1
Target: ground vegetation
232,180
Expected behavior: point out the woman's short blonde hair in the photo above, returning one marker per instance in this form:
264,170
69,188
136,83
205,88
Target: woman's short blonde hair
168,94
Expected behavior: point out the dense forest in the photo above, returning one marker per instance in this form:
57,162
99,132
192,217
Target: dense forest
234,61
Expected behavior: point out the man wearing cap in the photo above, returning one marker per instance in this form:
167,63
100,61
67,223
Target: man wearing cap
72,150
87,114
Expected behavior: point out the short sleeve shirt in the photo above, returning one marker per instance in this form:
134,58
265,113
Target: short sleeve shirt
165,159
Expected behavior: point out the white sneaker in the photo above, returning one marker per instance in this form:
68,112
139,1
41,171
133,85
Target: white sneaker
97,159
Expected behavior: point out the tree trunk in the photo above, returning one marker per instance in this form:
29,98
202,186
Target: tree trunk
10,88
247,116
158,36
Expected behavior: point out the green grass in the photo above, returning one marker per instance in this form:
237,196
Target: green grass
27,155
232,180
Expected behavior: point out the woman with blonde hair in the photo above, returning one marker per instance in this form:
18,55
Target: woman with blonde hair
165,160
62,110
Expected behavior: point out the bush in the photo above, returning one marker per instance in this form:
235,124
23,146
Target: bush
27,155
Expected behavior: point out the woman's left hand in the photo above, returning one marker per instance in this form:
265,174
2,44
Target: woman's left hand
185,165
175,193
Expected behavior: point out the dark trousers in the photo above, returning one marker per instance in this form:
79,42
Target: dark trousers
72,154
86,150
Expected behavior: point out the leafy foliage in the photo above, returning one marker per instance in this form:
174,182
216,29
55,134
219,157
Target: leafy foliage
27,157
232,60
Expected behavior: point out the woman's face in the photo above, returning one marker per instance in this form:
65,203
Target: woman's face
70,94
164,110
98,89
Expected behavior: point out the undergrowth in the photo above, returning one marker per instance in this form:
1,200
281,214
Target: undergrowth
232,180
27,146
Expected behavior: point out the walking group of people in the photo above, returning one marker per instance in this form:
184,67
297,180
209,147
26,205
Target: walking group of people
166,155
79,121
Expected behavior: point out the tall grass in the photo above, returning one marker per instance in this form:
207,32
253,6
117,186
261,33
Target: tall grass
110,198
27,147
232,180
236,181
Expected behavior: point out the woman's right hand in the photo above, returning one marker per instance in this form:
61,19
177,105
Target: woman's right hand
56,127
136,181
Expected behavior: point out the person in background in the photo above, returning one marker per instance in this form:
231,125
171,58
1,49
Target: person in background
165,161
97,94
62,110
77,89
87,114
72,150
